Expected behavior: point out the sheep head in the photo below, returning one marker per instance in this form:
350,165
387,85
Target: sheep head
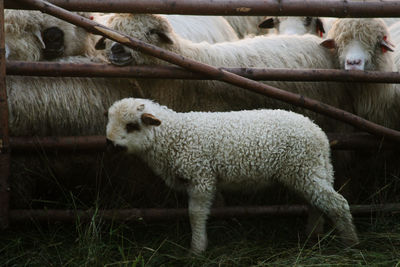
294,25
151,29
61,38
130,124
360,44
33,36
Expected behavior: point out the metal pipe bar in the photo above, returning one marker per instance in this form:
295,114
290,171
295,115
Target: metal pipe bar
216,73
326,8
58,143
338,141
173,214
4,137
53,69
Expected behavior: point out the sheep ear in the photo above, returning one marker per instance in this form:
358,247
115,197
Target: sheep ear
328,43
320,25
101,44
38,34
149,119
162,35
386,45
267,24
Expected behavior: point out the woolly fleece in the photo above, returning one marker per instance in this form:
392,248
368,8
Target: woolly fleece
200,152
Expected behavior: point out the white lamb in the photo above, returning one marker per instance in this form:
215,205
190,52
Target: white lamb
199,152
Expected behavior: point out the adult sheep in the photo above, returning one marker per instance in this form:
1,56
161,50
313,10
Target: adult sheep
212,29
260,51
297,25
364,44
394,31
246,25
198,152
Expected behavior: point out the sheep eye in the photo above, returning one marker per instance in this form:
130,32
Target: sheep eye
308,21
130,127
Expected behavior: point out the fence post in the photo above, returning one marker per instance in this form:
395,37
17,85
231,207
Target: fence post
4,137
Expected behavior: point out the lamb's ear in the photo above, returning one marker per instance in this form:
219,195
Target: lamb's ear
320,25
267,24
328,43
101,44
162,35
149,119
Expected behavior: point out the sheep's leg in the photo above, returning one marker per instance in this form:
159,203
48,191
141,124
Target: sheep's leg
200,202
315,223
321,194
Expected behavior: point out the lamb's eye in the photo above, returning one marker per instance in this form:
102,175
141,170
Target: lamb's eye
130,127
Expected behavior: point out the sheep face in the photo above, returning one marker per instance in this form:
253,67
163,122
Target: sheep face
360,44
130,125
62,38
294,25
151,29
33,36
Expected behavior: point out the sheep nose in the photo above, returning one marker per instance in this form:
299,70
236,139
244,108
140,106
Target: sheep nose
111,147
117,48
353,62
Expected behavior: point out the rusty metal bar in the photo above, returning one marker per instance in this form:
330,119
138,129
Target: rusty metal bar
4,137
359,141
54,69
173,214
338,141
326,8
58,143
216,73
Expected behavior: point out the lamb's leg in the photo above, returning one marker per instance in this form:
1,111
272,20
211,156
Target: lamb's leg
315,223
200,202
320,194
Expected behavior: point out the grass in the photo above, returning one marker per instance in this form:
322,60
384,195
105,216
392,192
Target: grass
256,242
261,241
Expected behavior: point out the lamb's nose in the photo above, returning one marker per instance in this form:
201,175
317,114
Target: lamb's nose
353,62
114,147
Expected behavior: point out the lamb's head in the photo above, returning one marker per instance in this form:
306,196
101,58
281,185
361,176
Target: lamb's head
294,25
33,36
361,44
130,124
152,29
